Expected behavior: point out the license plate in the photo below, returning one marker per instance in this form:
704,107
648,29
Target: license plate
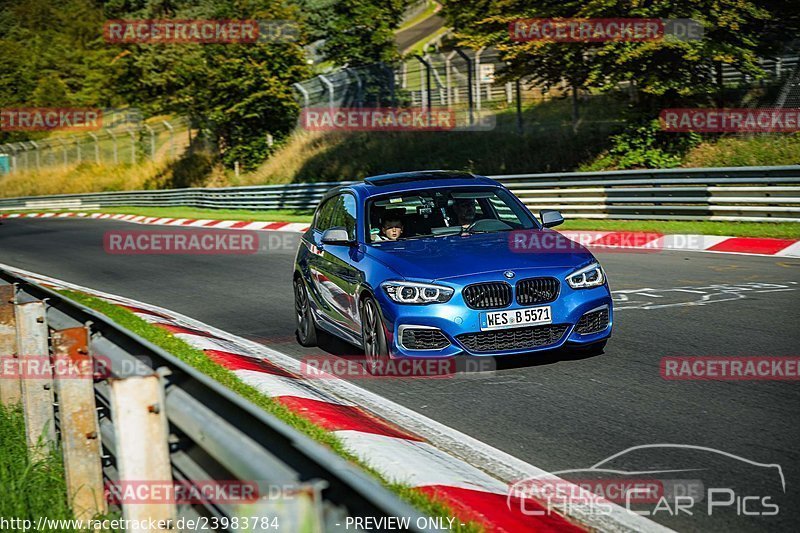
516,318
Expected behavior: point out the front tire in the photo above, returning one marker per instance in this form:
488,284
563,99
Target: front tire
376,350
306,331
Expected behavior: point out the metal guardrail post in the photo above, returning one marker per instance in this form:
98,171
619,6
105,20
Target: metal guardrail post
78,424
142,451
37,392
10,388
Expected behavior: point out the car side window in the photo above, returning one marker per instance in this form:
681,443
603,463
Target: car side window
323,218
504,212
344,214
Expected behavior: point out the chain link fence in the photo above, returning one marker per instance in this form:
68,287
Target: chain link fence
465,78
125,138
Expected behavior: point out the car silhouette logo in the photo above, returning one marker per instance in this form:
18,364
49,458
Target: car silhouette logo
509,274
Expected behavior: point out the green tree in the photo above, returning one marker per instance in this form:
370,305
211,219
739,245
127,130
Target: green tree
737,32
361,32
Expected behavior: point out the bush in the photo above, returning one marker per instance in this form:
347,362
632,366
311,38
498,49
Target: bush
645,145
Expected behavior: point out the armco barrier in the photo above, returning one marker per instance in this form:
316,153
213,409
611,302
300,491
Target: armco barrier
736,193
161,421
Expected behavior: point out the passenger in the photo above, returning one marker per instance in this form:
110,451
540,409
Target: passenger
391,228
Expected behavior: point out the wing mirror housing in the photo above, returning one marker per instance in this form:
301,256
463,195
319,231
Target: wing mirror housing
551,217
336,236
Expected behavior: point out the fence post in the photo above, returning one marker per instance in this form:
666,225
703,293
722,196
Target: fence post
77,416
359,86
302,90
447,61
329,85
469,84
114,143
37,392
10,388
140,429
36,154
171,138
64,150
517,84
152,142
427,100
96,147
133,146
478,79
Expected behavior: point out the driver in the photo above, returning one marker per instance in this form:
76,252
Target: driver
465,211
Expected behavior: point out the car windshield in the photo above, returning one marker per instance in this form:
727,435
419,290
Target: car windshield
443,212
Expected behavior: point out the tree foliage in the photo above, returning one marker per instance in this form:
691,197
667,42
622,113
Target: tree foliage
53,53
736,33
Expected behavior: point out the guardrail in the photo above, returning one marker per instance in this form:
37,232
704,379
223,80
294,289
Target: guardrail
736,193
160,420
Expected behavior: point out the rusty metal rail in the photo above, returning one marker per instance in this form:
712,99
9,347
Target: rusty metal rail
155,417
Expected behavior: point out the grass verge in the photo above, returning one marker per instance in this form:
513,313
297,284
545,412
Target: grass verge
28,490
198,359
777,230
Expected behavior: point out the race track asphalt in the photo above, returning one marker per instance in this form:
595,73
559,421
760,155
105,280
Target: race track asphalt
556,411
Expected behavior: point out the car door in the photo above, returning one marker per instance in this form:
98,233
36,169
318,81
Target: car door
334,270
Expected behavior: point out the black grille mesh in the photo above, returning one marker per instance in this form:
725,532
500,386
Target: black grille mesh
533,291
513,339
424,339
492,295
593,322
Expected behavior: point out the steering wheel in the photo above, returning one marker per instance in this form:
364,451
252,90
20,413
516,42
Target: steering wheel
486,225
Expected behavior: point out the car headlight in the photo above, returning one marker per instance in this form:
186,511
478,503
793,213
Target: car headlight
409,292
587,277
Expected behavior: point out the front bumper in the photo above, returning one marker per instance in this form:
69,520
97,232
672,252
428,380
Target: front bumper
455,318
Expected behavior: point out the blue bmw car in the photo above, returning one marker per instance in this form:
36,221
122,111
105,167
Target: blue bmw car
439,264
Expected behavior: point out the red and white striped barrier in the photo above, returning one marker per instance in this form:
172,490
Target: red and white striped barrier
604,240
401,454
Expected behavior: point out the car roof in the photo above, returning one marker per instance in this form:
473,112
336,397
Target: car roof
409,181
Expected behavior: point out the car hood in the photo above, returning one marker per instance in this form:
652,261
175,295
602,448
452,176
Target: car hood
450,257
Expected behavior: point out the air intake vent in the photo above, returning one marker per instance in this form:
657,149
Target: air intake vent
492,295
533,291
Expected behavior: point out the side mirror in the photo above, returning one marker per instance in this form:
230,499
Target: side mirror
336,236
550,218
